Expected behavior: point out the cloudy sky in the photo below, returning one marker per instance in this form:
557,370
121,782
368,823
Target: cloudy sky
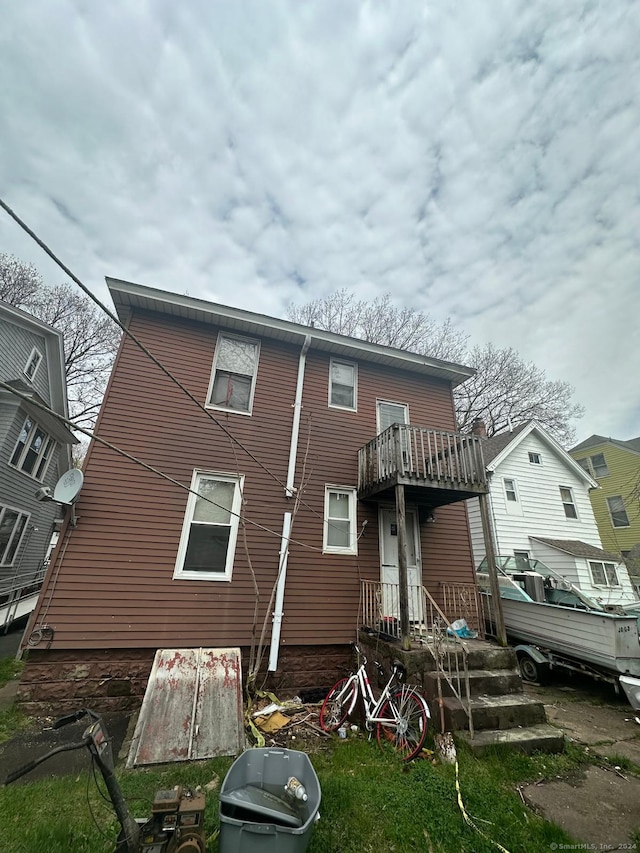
477,159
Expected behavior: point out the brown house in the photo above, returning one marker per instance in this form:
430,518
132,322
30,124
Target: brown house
296,449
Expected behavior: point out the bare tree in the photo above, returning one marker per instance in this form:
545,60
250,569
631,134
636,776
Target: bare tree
90,337
382,322
505,391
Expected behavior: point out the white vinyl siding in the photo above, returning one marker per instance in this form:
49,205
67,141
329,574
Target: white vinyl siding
343,385
233,376
340,520
33,450
210,529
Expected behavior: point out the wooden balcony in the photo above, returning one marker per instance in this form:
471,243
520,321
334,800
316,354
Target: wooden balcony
436,466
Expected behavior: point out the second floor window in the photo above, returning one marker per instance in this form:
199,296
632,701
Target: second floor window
595,465
234,374
340,520
12,525
510,490
568,503
33,450
603,574
342,384
617,511
32,364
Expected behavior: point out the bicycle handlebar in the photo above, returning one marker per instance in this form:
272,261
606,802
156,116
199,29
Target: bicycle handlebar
27,768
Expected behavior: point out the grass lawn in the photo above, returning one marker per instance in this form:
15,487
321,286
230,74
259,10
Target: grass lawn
371,801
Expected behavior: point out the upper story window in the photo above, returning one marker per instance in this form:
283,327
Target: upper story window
33,364
12,525
617,511
210,529
340,520
535,459
568,502
603,574
233,378
33,450
595,465
343,385
510,490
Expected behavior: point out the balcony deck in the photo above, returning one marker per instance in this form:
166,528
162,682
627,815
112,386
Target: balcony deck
436,466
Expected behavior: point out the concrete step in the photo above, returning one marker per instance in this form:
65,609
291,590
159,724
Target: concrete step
493,712
484,655
538,738
481,682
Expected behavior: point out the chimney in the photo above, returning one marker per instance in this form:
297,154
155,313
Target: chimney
478,428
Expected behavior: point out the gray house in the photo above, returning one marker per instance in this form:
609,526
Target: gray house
35,450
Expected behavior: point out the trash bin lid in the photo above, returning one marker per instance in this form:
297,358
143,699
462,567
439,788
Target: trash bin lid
260,806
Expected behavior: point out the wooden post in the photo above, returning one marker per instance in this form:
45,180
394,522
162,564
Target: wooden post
501,634
403,580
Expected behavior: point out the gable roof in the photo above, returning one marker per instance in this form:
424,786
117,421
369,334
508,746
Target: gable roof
497,448
578,549
594,440
127,295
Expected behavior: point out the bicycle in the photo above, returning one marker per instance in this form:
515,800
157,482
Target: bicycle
400,715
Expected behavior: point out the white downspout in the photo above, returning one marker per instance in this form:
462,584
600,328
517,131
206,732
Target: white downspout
286,523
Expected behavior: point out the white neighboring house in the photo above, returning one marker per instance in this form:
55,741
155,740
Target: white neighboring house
540,510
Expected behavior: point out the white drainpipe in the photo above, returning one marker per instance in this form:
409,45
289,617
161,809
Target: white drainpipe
286,523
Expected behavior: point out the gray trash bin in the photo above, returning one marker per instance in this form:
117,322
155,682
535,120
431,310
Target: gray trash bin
256,816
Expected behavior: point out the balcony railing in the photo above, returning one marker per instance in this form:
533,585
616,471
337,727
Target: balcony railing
419,456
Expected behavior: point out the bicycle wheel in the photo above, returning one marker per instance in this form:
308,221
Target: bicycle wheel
406,722
335,707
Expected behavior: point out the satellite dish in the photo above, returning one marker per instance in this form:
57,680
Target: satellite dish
68,487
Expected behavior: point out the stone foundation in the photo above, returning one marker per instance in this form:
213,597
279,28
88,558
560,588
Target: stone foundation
55,681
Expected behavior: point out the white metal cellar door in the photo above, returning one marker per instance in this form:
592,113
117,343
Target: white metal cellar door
192,707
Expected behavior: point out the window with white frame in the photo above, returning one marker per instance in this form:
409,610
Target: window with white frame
233,378
33,364
210,529
340,520
510,490
603,574
617,511
343,379
535,458
522,560
12,526
599,465
33,450
566,495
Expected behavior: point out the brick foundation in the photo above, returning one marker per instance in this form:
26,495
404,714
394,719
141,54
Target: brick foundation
56,681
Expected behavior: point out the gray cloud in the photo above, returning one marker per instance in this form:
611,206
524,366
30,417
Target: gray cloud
478,160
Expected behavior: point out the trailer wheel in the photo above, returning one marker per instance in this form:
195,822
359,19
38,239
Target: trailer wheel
532,670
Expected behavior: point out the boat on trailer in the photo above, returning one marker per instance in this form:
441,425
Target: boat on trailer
552,623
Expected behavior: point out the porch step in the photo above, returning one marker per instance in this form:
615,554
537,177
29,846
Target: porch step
538,738
481,682
494,712
485,655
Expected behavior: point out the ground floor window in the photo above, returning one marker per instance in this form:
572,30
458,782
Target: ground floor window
603,574
12,526
210,528
340,520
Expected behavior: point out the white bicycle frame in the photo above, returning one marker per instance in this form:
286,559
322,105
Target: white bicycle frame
371,705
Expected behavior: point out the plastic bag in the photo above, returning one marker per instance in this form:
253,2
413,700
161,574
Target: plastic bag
461,628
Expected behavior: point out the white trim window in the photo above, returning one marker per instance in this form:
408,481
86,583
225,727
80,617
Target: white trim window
535,458
617,511
343,385
340,520
599,465
603,574
233,375
568,502
33,450
510,490
33,363
12,526
210,529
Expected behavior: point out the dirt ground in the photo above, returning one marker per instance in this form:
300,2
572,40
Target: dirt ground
602,809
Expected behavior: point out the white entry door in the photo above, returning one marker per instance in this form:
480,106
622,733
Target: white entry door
389,560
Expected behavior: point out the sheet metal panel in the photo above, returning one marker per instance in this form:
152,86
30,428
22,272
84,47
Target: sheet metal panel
192,707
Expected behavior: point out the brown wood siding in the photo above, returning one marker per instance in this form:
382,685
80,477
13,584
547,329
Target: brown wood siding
112,585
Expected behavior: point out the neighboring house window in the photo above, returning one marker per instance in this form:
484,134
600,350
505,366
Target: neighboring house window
535,458
584,463
12,525
617,511
208,541
522,560
603,574
343,376
233,379
567,502
33,451
599,465
340,520
33,364
510,490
